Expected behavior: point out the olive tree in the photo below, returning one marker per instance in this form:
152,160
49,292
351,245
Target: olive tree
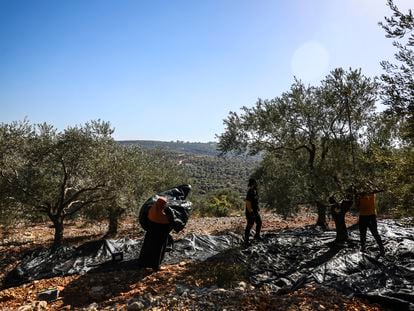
282,181
398,95
124,166
135,174
319,125
398,79
57,173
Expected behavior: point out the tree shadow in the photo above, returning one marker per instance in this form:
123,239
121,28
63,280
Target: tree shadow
41,262
12,257
106,281
333,249
75,240
16,251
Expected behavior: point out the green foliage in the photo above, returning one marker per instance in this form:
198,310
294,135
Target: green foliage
11,214
397,180
386,167
137,174
281,183
62,173
398,81
125,165
209,174
398,90
220,204
232,197
161,171
308,134
193,148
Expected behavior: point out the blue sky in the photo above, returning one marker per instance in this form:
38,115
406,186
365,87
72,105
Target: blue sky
172,70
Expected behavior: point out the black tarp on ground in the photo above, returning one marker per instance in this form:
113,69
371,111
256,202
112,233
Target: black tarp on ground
284,261
95,256
289,259
102,253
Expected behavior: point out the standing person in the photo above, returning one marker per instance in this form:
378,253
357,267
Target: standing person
156,237
252,211
366,204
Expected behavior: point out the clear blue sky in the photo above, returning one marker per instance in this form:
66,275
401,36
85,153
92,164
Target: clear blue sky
172,70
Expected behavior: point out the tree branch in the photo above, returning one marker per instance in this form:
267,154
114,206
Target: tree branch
84,203
79,192
63,185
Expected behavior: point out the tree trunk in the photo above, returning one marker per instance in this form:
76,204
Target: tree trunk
114,214
113,226
340,227
58,225
338,212
321,216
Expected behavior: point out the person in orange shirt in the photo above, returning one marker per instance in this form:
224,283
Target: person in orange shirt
156,238
366,204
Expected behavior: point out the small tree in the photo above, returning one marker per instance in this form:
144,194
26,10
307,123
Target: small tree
219,204
123,165
135,174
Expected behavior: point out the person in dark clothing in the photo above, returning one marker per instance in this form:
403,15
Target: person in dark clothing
156,238
366,204
252,211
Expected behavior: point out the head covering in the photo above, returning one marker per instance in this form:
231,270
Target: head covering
252,182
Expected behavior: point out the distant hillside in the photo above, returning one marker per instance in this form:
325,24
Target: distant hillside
207,172
176,146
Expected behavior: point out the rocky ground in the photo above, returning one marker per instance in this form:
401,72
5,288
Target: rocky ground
217,284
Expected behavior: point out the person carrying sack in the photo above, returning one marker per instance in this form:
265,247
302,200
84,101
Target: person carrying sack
156,238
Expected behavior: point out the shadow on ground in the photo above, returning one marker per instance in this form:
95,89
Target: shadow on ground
102,284
283,261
